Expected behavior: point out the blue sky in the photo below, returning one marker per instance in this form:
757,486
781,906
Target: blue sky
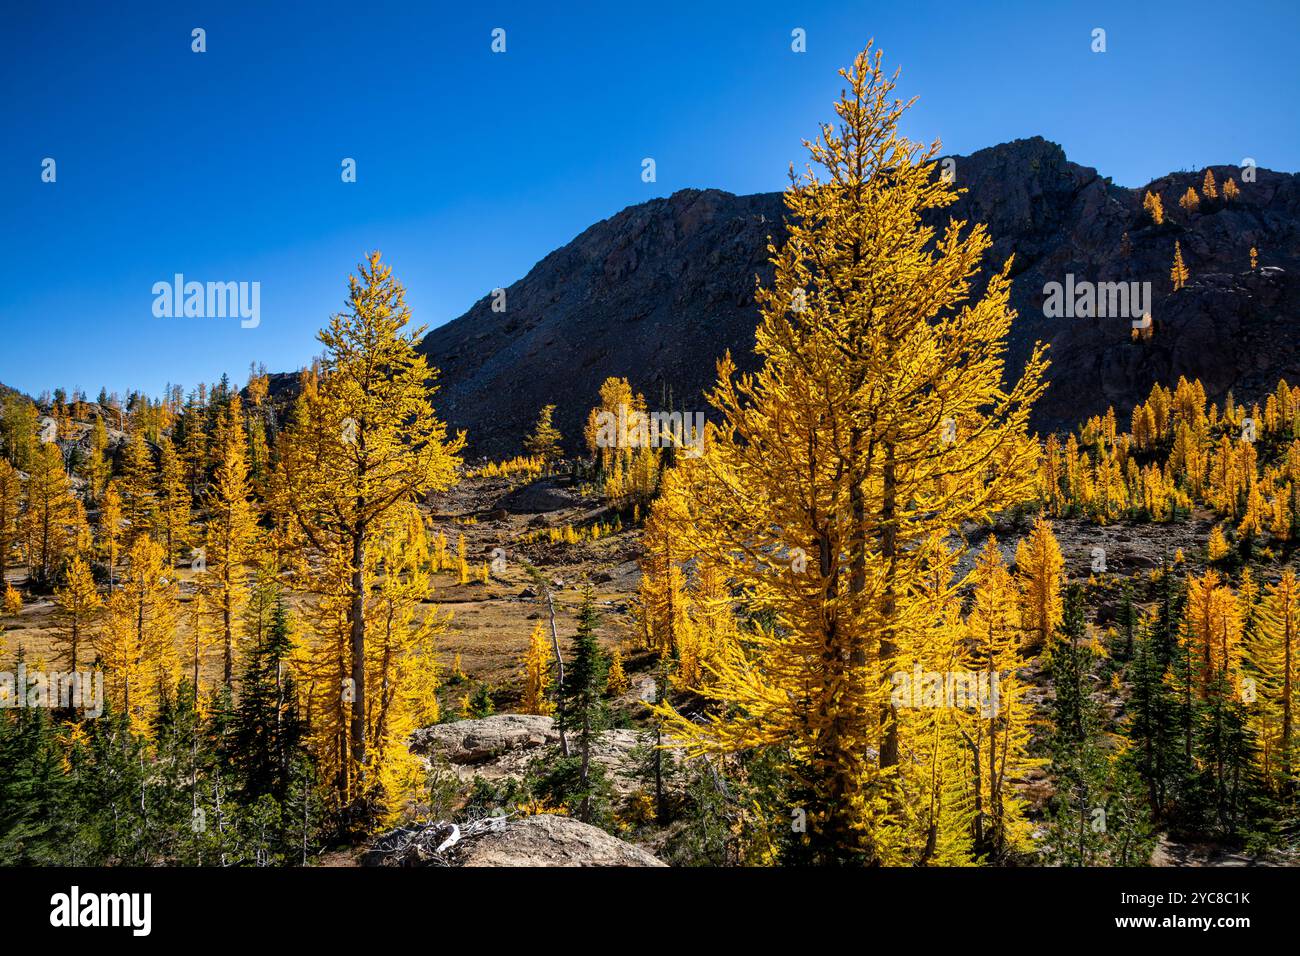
471,166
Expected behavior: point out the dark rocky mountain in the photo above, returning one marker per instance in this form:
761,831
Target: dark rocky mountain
659,291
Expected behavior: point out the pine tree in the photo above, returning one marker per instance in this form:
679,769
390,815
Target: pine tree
581,704
1230,190
364,442
265,739
1190,201
1178,274
870,339
544,442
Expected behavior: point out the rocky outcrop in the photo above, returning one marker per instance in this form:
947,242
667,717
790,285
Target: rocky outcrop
661,290
504,745
484,739
542,840
549,840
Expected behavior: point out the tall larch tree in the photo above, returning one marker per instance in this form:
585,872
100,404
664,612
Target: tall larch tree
363,443
79,600
174,511
138,642
11,491
137,486
232,535
108,538
1040,571
1274,653
1178,274
998,740
835,473
49,514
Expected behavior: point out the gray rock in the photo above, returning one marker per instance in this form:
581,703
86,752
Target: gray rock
549,840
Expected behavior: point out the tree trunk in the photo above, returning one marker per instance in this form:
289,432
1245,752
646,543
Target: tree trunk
357,619
559,674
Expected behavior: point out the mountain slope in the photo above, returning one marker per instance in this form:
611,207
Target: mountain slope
659,291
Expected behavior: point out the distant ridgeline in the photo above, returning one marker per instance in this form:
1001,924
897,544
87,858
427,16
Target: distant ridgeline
659,291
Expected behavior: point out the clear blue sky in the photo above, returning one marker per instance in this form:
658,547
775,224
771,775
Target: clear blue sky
225,165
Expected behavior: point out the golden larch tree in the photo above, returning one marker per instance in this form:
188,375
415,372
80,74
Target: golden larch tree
829,487
79,600
537,673
232,535
1209,189
138,643
1178,272
1040,573
360,445
11,491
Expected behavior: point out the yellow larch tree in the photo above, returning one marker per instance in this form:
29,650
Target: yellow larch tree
1154,207
1275,656
108,538
78,599
1230,190
231,541
402,666
174,512
999,737
1190,201
97,469
1209,189
871,339
138,643
11,491
1178,274
544,441
362,443
1211,633
1040,573
137,486
49,514
616,682
537,673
